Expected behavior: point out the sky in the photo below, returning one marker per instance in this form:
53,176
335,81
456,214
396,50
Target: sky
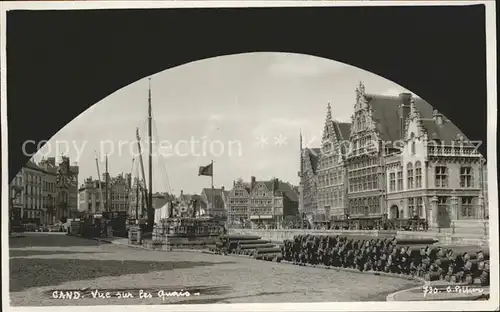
249,109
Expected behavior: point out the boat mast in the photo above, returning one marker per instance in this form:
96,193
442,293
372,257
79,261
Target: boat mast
150,212
106,185
101,202
140,158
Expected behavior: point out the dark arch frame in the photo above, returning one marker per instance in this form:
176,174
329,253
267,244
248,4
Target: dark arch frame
62,62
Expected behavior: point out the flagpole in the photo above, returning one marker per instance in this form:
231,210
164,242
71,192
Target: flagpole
212,182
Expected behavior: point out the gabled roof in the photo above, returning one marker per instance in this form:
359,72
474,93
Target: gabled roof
214,194
387,115
288,190
314,154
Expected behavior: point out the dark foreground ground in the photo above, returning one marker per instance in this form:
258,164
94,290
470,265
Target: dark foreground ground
41,263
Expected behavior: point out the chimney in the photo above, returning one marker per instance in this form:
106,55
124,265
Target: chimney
438,117
405,103
252,182
182,194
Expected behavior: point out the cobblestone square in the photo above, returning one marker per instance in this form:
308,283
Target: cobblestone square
43,263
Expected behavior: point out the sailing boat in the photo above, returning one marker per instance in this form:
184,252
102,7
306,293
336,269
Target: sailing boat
169,229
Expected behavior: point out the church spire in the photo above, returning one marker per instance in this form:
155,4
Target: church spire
328,121
300,131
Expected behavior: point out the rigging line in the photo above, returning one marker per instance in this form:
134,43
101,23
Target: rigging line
163,162
165,168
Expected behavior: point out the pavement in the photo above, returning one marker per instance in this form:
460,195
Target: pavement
45,268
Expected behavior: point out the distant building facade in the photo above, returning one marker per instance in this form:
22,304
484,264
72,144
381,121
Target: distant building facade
263,202
137,199
66,189
90,197
119,191
213,202
33,177
237,200
308,188
17,195
49,192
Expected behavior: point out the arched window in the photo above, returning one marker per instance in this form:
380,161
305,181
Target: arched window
409,169
363,122
418,174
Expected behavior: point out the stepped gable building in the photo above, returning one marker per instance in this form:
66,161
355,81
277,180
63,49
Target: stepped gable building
331,191
119,191
237,201
403,159
363,162
265,202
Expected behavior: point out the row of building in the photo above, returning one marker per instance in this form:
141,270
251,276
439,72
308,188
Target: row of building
45,193
397,158
257,201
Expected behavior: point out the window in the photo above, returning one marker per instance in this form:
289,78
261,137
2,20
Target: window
467,207
409,168
392,182
420,207
412,144
418,175
442,204
441,176
465,177
400,180
411,206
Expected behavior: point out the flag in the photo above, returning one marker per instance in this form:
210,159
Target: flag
206,170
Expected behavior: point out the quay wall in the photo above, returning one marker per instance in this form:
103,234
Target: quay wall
444,238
